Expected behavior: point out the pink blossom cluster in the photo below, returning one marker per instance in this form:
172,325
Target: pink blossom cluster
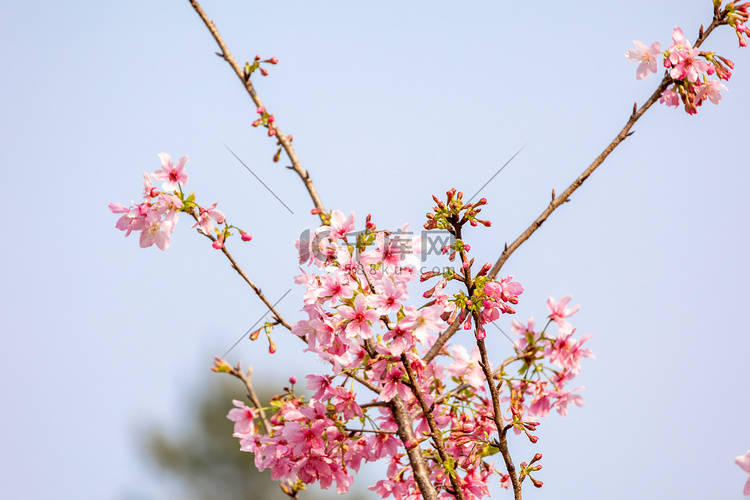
545,389
158,213
359,322
688,67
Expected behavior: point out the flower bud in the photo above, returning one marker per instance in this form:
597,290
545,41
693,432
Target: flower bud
536,482
293,380
221,366
246,236
261,110
263,71
411,444
272,347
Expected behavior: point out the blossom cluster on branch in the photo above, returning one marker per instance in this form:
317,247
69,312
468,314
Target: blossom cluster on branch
155,217
359,322
687,67
402,384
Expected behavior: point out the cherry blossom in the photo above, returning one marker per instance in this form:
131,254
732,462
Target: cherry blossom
646,56
171,174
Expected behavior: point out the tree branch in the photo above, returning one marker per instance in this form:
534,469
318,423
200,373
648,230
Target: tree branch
284,140
624,133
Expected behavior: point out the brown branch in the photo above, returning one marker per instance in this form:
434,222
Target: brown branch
416,460
283,139
502,440
437,438
624,133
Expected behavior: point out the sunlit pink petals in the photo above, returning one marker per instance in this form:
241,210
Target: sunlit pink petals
157,231
646,56
467,366
560,311
360,317
341,225
711,90
171,175
243,417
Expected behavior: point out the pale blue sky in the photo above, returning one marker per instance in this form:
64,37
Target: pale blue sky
389,103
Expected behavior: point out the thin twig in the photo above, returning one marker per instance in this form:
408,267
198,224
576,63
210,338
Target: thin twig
247,279
283,139
253,395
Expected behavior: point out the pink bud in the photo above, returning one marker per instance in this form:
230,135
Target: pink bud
246,236
271,119
481,334
271,131
257,58
271,346
411,444
292,380
261,110
263,71
219,243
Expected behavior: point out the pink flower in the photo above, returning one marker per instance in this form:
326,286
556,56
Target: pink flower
559,311
242,416
133,220
388,301
360,318
678,47
670,98
422,321
689,66
157,230
169,173
204,218
646,56
563,398
340,225
744,462
467,366
710,90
